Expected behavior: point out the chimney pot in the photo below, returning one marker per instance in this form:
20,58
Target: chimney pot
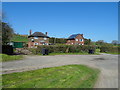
46,33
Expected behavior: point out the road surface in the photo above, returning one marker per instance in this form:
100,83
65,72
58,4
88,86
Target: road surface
108,64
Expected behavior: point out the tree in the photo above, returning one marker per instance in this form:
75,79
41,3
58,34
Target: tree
57,40
51,40
7,33
87,41
115,42
100,42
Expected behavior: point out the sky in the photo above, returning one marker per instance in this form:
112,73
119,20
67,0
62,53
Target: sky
95,20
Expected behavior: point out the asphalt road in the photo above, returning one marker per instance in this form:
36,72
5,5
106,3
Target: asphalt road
108,64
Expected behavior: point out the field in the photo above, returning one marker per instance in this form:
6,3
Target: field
19,38
69,76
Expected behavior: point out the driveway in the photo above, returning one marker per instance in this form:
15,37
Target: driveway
108,64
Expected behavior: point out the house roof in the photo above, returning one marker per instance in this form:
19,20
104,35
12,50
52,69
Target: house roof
38,34
74,36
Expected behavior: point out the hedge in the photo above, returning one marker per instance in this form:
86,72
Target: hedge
63,49
109,49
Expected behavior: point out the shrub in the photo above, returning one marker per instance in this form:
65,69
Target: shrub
110,49
34,50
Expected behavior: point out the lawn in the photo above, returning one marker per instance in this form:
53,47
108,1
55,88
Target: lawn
68,76
5,57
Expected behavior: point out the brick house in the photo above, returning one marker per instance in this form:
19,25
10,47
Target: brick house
37,38
75,39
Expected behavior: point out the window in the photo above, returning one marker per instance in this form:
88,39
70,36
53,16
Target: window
76,39
45,38
71,43
31,46
76,43
81,40
35,37
35,43
32,40
42,41
68,40
46,43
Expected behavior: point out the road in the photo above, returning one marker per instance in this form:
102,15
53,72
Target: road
108,65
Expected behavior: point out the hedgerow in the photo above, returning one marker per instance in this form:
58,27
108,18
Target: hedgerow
110,49
63,49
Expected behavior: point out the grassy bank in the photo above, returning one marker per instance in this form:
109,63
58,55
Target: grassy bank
5,57
69,76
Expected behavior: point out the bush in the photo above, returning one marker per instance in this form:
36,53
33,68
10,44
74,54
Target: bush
34,50
109,49
63,49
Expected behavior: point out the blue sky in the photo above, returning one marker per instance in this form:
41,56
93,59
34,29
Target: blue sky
96,20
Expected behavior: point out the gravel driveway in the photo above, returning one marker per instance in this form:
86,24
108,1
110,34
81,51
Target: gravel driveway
108,64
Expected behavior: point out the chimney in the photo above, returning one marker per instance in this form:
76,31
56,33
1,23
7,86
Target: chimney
30,32
46,33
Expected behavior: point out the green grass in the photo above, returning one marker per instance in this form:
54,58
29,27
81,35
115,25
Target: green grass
72,54
113,53
5,57
18,38
68,76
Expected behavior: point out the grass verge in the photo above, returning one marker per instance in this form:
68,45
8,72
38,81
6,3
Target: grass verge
72,54
5,57
68,76
113,53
